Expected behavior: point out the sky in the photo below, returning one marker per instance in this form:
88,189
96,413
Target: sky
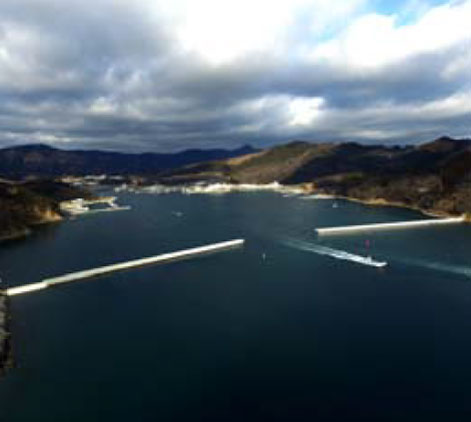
161,75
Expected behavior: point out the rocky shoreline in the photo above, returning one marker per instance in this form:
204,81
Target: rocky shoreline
25,205
5,344
21,232
303,188
381,202
434,177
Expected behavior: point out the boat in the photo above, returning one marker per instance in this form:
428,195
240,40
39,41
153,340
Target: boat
365,260
368,260
360,259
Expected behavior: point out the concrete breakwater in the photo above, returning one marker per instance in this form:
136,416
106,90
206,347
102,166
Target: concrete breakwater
81,206
81,275
387,226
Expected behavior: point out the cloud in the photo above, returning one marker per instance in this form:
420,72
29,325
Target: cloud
374,41
159,75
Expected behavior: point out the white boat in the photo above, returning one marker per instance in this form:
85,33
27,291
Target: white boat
365,260
336,253
368,260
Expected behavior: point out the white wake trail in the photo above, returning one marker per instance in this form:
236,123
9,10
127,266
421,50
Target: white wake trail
438,266
334,253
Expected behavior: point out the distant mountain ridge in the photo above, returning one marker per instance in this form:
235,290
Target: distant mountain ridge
46,161
434,177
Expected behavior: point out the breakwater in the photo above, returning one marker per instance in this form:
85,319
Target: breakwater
81,275
388,226
80,206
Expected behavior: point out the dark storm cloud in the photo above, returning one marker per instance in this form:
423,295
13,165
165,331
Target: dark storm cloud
115,75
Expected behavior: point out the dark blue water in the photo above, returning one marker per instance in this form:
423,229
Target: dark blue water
296,336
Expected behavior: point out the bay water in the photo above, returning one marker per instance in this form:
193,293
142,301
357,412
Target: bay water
273,331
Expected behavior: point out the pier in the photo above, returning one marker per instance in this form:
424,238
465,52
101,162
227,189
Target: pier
388,226
81,275
80,206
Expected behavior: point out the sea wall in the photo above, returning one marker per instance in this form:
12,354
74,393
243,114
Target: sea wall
163,258
388,226
214,188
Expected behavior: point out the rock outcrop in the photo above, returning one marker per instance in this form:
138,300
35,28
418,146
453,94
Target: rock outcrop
5,356
24,205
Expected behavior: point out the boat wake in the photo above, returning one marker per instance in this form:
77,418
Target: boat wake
438,266
334,253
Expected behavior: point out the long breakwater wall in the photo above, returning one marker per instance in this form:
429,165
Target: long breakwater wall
81,275
388,226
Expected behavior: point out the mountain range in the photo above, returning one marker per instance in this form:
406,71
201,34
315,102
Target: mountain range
46,161
434,177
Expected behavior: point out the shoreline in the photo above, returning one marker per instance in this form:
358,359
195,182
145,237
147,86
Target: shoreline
16,234
305,188
28,230
381,202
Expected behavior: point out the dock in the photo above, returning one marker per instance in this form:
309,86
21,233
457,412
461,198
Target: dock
80,206
388,226
158,259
